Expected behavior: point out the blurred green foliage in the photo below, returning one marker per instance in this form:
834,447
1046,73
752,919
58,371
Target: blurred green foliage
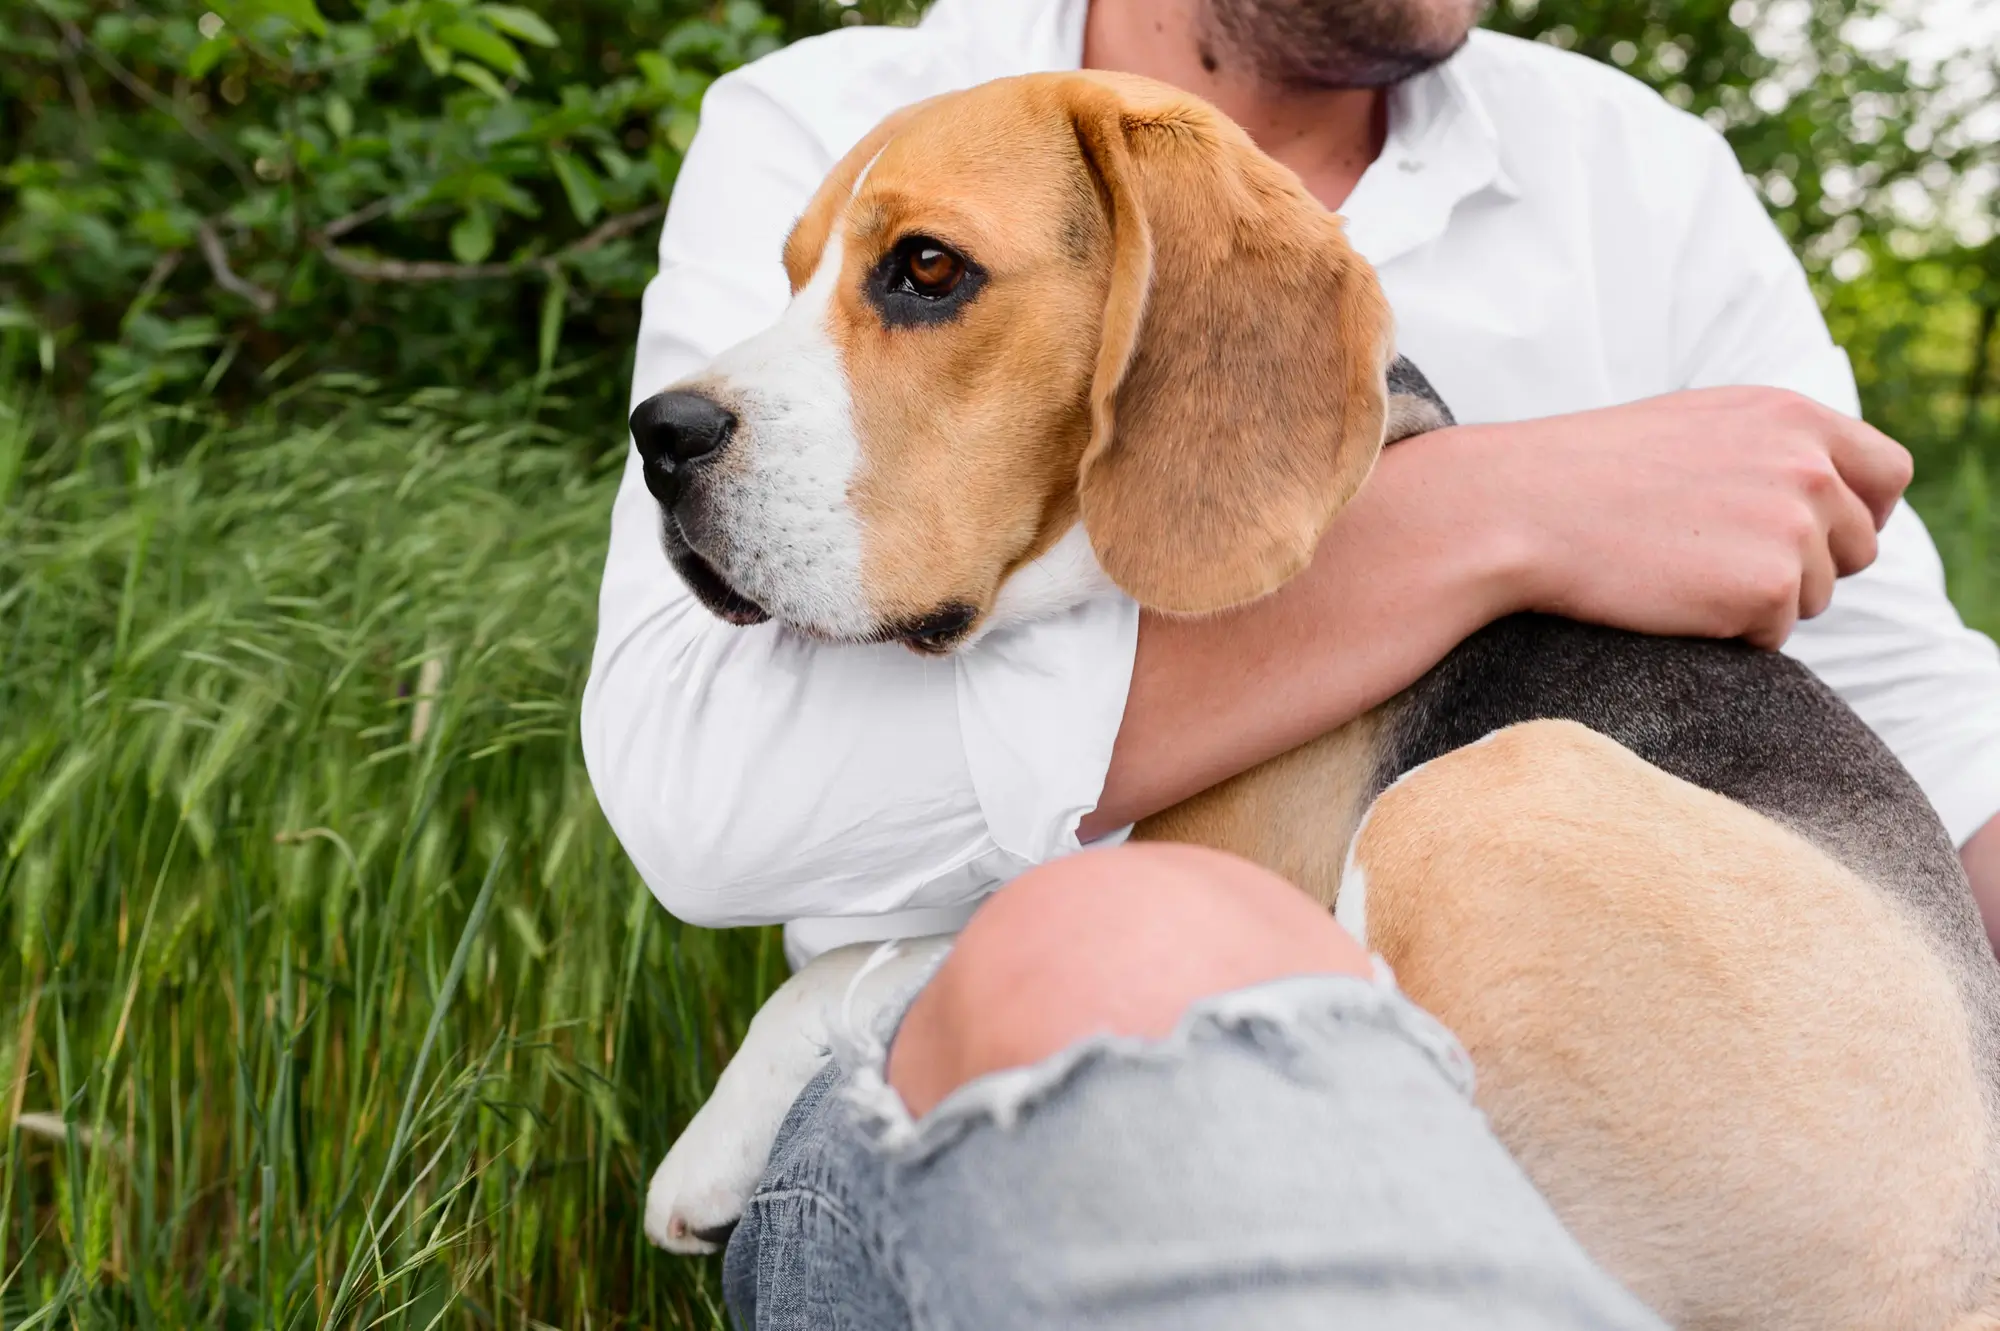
420,190
454,192
1860,154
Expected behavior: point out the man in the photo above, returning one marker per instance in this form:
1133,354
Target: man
1555,241
1659,435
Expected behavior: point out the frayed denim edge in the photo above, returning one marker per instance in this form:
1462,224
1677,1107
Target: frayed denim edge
861,1048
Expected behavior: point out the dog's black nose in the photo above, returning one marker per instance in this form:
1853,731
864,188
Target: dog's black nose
673,429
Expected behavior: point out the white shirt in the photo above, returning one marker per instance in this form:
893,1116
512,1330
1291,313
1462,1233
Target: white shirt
1552,236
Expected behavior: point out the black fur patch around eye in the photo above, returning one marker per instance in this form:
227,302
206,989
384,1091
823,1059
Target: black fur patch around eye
898,301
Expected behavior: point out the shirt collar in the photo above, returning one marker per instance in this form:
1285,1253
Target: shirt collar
1442,147
1003,37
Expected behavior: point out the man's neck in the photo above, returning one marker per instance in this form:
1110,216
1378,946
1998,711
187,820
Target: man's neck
1327,137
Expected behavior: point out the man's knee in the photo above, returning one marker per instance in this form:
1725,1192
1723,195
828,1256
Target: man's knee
1119,941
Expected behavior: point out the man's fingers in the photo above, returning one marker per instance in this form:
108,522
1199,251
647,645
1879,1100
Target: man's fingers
1816,579
1851,528
1772,635
1875,467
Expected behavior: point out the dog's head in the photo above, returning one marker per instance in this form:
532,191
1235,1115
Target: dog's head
1052,306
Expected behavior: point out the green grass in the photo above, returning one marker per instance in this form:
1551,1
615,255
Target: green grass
327,1007
327,1003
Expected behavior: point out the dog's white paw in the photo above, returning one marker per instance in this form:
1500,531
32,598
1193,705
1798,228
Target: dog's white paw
699,1191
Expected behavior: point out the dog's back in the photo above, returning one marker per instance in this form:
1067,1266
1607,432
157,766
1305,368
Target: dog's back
1742,1074
1752,726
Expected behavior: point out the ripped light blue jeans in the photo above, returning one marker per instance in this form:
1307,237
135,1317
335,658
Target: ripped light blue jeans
1304,1153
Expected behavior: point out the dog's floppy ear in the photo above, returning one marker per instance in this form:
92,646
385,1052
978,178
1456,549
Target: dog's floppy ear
1239,398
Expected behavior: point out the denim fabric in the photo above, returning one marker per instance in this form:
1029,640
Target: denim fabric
1301,1154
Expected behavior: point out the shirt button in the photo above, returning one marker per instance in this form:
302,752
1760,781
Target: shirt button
1410,164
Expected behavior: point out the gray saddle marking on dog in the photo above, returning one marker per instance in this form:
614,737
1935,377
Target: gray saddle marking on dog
1754,726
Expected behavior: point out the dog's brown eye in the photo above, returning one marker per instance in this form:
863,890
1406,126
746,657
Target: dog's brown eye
922,281
932,270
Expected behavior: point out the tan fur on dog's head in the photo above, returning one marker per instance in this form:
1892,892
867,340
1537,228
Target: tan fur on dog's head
1157,332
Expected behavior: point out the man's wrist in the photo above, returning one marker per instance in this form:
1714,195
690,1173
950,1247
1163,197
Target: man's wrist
1473,488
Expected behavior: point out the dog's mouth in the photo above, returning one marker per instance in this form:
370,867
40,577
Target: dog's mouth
934,634
705,581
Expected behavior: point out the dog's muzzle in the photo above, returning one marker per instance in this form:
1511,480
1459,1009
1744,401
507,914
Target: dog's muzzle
676,432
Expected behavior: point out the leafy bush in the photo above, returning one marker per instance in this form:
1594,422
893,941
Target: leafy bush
420,190
197,199
1860,156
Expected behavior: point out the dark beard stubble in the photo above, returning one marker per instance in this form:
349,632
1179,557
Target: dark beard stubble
1316,45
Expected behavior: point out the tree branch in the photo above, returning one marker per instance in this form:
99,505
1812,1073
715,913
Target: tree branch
225,276
163,268
150,95
431,270
612,228
409,270
417,270
340,226
79,92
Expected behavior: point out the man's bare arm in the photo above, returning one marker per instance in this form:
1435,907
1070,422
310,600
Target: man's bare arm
1981,857
1716,513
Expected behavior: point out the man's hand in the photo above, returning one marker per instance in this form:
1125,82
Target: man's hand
1721,512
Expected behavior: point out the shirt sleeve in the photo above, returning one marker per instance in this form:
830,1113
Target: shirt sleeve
754,776
1890,643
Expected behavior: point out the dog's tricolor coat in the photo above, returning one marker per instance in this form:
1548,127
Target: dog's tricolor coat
1713,956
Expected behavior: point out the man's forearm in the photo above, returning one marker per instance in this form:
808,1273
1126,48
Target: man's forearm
1407,572
1713,513
1981,857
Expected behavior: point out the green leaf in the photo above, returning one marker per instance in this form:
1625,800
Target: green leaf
579,184
300,13
481,186
472,237
204,57
680,129
434,55
553,301
481,78
656,68
523,23
482,44
616,164
339,116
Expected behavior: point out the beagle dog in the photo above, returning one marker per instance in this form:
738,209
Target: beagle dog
1710,950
